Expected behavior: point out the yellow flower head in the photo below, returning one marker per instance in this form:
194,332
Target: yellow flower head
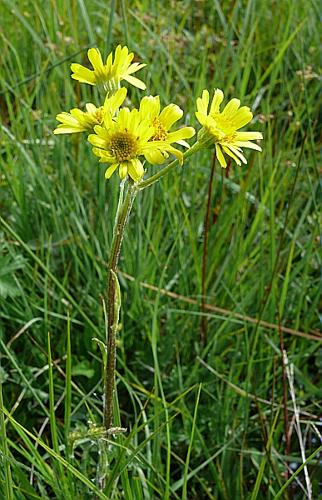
80,121
221,127
109,75
121,141
162,123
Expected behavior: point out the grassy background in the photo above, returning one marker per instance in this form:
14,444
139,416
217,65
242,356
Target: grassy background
203,422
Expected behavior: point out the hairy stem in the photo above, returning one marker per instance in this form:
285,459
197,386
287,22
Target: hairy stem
113,300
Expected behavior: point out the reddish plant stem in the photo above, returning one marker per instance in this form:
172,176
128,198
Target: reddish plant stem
204,322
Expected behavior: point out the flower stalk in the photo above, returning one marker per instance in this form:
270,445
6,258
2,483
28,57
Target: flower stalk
113,297
164,171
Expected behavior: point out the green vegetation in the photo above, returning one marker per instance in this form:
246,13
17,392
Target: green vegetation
203,421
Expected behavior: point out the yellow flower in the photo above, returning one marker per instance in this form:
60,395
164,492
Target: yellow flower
109,75
80,121
121,141
221,127
162,123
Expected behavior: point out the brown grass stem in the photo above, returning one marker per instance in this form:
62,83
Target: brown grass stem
204,319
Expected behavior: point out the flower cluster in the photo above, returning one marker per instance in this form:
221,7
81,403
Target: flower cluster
127,138
220,127
123,137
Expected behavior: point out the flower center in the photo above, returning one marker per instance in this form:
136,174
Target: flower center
160,133
98,115
123,146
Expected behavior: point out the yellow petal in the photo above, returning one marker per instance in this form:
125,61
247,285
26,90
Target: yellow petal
90,108
82,74
154,156
124,118
123,170
118,54
176,153
232,155
134,68
182,133
78,114
242,117
96,141
183,143
101,132
67,119
95,58
110,170
202,119
248,136
107,120
231,108
97,152
103,155
216,101
109,61
112,103
145,131
238,153
135,81
150,107
135,169
248,144
220,157
64,129
169,115
202,103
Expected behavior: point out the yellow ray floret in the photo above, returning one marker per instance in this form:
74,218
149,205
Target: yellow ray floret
124,142
110,74
221,127
81,121
162,122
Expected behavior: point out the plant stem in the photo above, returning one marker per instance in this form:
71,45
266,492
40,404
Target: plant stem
203,324
113,299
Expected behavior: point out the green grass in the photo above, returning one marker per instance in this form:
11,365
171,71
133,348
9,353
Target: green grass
202,422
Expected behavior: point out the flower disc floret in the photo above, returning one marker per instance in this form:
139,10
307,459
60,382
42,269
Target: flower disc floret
160,132
110,74
221,127
123,146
